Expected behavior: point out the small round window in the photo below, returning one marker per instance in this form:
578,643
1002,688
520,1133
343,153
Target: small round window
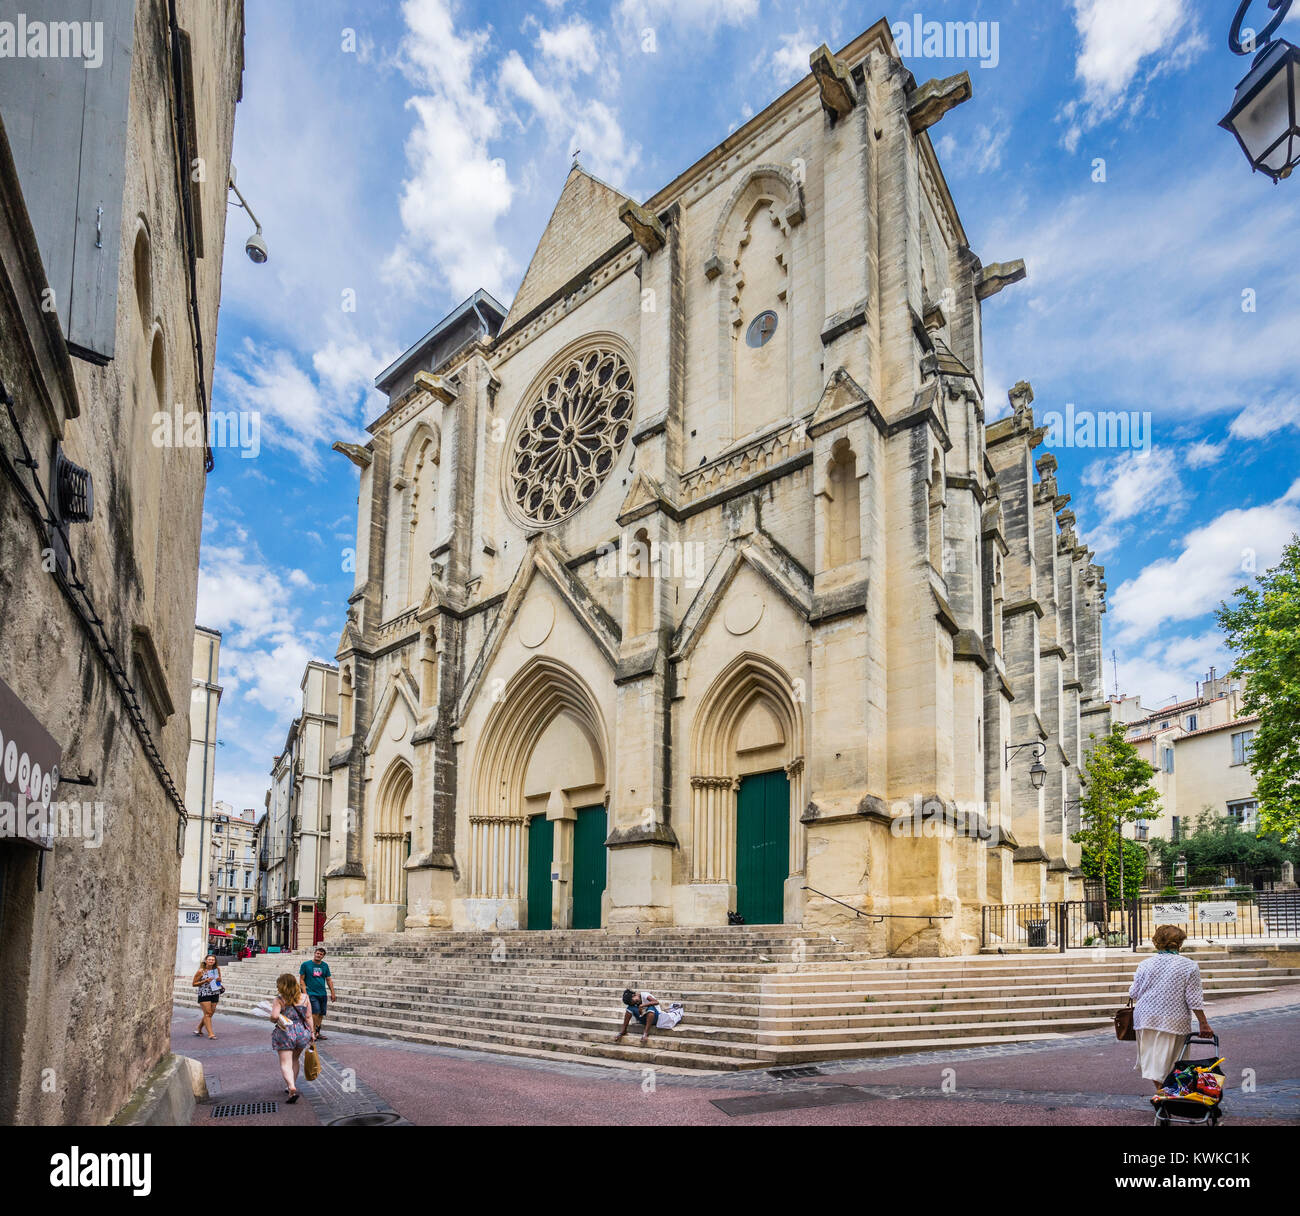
761,328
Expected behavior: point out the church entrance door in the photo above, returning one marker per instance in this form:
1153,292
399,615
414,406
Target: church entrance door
541,838
762,847
589,834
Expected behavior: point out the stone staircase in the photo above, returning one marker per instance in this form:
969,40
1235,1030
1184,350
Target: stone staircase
758,997
1280,911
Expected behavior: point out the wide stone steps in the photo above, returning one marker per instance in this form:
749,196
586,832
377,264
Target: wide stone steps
748,1003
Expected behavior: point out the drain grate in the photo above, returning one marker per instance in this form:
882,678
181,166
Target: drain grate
230,1110
377,1118
801,1070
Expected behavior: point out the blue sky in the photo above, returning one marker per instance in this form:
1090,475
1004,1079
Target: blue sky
400,155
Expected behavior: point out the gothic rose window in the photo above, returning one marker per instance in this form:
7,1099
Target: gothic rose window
570,436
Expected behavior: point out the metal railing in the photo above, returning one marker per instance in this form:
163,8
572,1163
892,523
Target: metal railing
1090,923
877,916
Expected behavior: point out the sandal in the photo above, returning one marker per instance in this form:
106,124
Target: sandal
293,1097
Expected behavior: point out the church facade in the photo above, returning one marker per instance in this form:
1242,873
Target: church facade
695,584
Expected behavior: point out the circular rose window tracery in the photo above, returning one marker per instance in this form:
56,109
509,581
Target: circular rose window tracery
570,435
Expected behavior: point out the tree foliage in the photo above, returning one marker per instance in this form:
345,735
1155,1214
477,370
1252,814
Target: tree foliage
1117,791
1220,841
1135,868
1262,624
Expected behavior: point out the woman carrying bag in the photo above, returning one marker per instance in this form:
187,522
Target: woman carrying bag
293,1032
1167,992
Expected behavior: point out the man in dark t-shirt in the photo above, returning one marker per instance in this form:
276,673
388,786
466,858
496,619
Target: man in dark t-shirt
315,978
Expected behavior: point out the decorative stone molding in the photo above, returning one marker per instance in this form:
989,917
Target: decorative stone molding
735,467
995,277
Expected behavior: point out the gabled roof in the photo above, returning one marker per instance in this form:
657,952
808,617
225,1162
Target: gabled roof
583,225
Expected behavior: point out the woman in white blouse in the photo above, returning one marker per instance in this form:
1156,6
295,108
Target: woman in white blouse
1166,994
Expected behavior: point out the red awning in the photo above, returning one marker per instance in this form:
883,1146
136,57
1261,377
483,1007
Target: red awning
217,933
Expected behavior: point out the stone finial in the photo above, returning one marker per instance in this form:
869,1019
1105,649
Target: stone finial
932,100
1066,519
361,457
644,226
833,82
995,277
436,386
1046,464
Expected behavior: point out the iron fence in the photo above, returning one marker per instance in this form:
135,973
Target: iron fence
1184,876
1093,922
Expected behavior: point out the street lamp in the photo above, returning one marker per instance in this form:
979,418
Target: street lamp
1037,770
1264,116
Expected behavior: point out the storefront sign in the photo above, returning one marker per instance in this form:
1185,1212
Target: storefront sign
29,773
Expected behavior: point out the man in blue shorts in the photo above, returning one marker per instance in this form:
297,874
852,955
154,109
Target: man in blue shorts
315,978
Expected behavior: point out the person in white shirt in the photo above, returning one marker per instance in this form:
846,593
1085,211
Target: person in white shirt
643,1006
1166,994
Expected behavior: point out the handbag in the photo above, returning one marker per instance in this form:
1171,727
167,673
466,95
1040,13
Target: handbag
1124,1023
311,1063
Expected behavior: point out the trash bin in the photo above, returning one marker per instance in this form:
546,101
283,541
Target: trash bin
1037,932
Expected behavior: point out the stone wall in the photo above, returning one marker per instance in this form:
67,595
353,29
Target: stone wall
87,939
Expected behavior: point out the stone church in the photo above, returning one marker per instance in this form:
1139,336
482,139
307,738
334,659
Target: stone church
695,584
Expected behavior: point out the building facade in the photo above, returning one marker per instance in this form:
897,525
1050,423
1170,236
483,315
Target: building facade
297,819
695,584
200,801
109,287
1200,749
232,870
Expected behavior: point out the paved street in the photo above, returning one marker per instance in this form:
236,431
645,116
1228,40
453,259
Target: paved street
1081,1079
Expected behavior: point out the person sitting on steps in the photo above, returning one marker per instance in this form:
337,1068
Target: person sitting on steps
644,1007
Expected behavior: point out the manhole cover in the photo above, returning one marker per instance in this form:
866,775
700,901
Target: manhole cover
376,1118
763,1104
231,1109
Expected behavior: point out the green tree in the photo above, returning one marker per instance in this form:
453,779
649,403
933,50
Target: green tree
1263,628
1117,791
1135,868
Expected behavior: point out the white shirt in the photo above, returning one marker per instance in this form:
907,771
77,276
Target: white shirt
1165,990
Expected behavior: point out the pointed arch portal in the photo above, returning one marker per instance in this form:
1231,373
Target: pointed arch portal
747,786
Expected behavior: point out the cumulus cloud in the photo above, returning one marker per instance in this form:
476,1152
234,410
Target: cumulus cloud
1134,482
1203,453
1122,45
1215,559
456,192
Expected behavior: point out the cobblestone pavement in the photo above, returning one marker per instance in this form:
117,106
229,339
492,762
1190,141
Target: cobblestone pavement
1076,1079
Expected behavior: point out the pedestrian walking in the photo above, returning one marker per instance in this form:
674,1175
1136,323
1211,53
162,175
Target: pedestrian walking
292,1032
316,976
1167,995
207,979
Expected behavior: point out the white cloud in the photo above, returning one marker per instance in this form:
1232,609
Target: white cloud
1224,554
570,48
456,191
1117,39
790,59
977,151
1134,482
1203,453
572,122
691,15
1261,419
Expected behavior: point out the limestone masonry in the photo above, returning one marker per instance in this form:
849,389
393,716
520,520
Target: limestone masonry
681,580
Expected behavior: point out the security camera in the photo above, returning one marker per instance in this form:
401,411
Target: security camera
255,247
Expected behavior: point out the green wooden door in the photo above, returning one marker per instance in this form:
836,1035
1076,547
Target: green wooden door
588,866
541,837
762,847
